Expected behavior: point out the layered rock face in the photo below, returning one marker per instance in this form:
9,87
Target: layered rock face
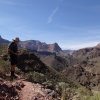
40,46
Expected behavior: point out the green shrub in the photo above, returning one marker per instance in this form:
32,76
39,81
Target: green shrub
94,97
86,94
61,89
36,77
83,91
5,66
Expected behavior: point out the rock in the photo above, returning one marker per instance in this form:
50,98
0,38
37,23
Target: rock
8,91
19,85
53,94
47,91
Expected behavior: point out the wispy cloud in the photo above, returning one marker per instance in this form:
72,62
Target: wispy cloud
52,15
50,18
76,46
81,37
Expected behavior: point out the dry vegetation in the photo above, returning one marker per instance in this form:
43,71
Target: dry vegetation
68,90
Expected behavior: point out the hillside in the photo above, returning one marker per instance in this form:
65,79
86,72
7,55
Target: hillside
56,62
45,82
86,67
3,41
75,75
33,73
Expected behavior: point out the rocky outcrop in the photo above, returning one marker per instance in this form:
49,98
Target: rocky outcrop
35,45
54,47
10,91
40,46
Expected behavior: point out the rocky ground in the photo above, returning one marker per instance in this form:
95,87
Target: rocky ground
20,89
37,92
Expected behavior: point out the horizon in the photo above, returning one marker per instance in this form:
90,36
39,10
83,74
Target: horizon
73,24
55,42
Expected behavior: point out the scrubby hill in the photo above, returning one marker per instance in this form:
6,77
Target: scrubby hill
47,83
31,69
56,62
70,77
85,68
89,59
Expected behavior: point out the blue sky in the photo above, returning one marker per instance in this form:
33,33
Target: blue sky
73,24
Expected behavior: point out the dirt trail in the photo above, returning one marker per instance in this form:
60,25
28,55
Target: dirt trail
34,92
25,90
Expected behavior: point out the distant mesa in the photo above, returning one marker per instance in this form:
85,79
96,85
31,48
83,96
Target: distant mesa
40,46
3,40
98,45
36,45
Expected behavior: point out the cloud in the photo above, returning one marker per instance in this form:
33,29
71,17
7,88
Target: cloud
52,14
76,46
50,18
80,37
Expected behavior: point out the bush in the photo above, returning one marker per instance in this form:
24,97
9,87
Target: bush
36,77
5,66
83,91
61,88
94,97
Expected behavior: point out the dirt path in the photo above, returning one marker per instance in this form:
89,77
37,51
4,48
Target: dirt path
33,92
28,91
